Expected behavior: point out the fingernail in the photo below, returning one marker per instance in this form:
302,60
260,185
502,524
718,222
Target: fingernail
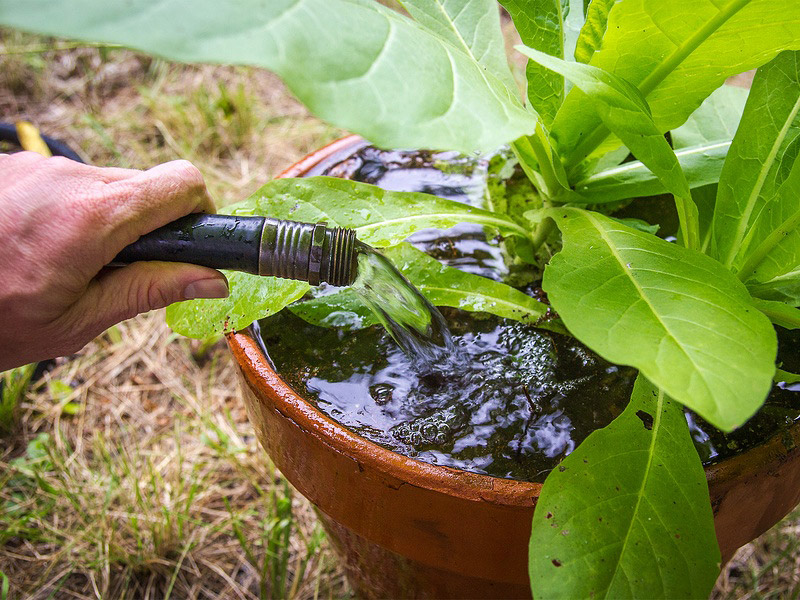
206,288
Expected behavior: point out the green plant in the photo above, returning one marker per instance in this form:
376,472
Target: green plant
13,384
693,316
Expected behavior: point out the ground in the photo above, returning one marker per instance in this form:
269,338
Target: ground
129,470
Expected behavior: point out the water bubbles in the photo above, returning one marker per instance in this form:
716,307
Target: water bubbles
435,429
381,392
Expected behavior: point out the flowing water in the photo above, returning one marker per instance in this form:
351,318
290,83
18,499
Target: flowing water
414,323
468,390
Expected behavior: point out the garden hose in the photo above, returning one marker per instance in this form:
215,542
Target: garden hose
8,133
258,245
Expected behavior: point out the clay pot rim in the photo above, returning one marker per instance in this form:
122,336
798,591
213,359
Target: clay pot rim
259,375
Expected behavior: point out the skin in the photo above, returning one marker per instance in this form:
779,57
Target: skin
61,222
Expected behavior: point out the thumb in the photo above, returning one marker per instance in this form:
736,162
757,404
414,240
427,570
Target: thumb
121,294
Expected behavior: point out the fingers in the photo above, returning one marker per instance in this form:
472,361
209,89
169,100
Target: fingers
141,287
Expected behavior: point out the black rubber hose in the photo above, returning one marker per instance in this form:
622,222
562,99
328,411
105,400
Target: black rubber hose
216,241
8,133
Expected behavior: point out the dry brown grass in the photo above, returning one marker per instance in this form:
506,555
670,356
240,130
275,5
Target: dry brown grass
769,567
156,487
132,471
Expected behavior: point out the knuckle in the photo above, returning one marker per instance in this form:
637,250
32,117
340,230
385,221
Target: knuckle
26,157
61,164
190,175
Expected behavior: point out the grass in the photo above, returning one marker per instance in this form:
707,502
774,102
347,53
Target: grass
130,470
767,568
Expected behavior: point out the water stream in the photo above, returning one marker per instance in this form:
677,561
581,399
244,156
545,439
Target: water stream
414,323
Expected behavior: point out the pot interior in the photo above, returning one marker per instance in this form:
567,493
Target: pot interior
525,397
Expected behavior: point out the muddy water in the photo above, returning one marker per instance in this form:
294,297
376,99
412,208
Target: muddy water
516,400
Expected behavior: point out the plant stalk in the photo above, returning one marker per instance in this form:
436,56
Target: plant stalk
765,247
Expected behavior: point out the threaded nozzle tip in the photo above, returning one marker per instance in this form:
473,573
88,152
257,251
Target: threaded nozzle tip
341,253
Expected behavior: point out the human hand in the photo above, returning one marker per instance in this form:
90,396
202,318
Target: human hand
61,222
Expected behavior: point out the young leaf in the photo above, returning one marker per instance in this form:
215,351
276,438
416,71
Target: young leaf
782,376
678,316
380,218
341,308
251,298
638,225
705,197
593,29
540,24
470,25
627,514
356,64
440,284
761,154
627,115
784,288
779,313
677,52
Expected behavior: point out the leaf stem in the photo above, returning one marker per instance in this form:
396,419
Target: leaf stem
543,231
765,247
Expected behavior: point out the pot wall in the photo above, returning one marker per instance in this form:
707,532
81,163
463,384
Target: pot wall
404,528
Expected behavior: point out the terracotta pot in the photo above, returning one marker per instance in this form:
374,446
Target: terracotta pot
404,528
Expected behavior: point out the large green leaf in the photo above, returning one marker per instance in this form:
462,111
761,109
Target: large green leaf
627,514
440,284
471,25
357,64
540,24
251,298
381,218
761,156
677,315
677,52
625,112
